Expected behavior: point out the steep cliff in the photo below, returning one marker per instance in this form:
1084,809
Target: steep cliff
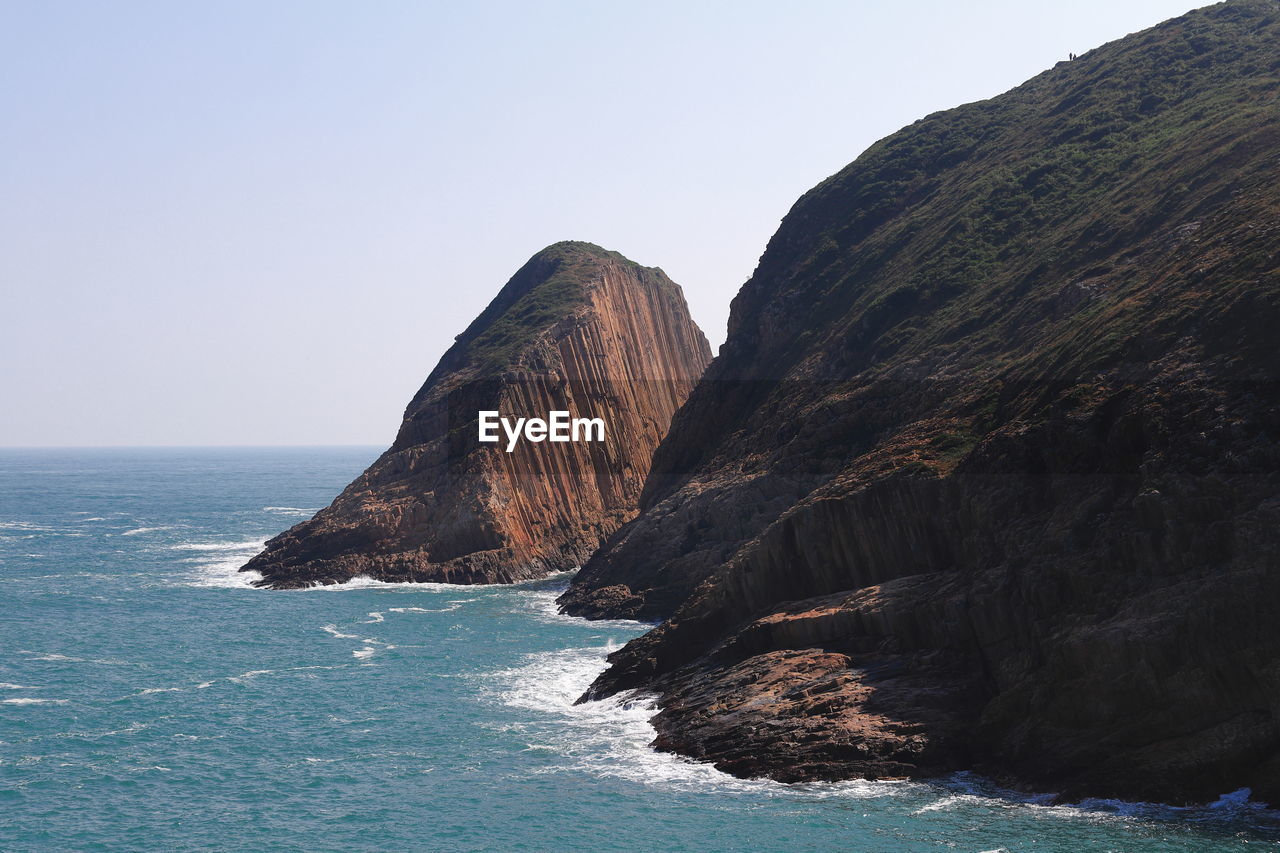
577,329
986,473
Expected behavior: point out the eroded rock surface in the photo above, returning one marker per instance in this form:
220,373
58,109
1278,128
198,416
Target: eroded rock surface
985,475
577,329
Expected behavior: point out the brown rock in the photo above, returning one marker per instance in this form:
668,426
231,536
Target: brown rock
577,329
991,456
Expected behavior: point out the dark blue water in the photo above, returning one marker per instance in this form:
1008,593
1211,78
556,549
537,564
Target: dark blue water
152,701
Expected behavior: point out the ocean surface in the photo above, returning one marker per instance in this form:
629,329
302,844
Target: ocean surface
152,700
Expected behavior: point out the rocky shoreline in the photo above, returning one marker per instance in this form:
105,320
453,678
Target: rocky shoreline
987,474
579,330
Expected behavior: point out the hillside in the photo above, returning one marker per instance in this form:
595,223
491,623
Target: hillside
986,472
576,329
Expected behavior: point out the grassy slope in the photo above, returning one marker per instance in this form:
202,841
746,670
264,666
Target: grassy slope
962,236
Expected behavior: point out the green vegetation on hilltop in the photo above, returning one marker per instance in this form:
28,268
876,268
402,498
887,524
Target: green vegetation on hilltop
962,229
547,290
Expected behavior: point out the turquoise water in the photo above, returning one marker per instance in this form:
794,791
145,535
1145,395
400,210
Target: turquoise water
152,701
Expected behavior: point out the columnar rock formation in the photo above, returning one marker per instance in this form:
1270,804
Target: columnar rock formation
577,329
986,474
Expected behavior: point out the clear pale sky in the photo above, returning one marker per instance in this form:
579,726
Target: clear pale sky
263,222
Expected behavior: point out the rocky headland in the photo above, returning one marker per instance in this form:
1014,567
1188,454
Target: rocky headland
987,474
577,329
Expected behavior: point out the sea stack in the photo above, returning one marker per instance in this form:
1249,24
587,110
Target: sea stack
578,330
986,474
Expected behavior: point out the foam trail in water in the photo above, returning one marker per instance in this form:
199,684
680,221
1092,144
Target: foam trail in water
217,564
218,546
301,512
967,790
453,605
612,737
370,644
542,604
26,526
54,657
362,582
245,676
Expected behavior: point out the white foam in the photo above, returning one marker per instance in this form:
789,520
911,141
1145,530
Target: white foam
360,582
944,804
371,644
226,576
25,525
970,790
612,737
374,618
148,690
33,701
301,512
128,730
217,546
137,531
217,564
363,582
253,673
54,657
542,604
4,685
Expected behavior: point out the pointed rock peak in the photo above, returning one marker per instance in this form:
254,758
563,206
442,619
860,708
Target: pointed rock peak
578,332
552,287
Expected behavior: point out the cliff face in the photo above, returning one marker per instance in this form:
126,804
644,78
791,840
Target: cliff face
577,329
986,473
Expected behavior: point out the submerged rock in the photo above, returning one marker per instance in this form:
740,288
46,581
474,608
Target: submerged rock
578,329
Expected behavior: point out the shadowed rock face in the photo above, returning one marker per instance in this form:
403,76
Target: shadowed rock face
986,474
577,329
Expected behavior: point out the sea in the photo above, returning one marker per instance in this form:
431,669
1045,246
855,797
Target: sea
152,700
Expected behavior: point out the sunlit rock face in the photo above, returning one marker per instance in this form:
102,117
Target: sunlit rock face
578,329
985,475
